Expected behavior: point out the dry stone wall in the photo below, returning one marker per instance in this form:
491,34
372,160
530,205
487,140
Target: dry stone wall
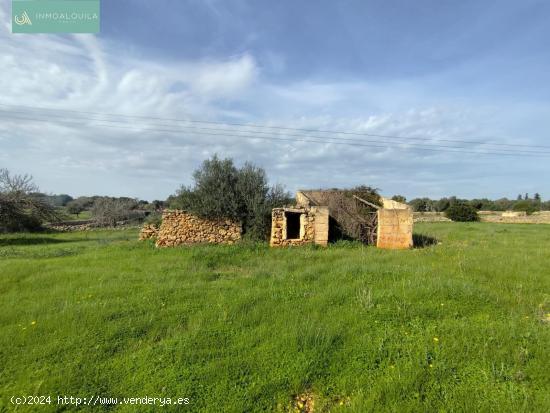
430,217
515,217
542,217
148,231
180,227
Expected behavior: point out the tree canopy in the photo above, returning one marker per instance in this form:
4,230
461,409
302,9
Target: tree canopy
21,206
221,190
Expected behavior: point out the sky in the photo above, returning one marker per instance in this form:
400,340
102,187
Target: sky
90,113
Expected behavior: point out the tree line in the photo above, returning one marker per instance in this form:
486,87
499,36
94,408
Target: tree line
220,189
522,203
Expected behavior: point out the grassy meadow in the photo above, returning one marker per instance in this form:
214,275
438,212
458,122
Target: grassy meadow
457,326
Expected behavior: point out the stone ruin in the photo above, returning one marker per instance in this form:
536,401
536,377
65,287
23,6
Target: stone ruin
299,225
318,217
324,215
395,225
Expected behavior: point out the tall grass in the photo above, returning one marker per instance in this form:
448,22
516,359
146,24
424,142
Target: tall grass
456,326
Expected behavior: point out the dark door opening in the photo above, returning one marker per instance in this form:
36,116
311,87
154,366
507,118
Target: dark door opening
292,225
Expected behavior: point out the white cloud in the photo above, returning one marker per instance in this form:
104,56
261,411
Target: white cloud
226,78
81,73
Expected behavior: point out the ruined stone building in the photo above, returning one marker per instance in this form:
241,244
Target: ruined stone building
320,216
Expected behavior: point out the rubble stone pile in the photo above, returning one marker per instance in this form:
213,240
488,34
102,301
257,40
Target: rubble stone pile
148,231
180,227
67,227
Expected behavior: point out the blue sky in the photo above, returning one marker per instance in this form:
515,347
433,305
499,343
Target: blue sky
439,70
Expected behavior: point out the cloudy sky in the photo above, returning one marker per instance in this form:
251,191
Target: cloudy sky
122,112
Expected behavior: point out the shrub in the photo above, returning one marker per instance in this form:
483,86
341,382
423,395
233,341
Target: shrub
461,212
75,207
21,208
422,205
525,206
399,198
154,218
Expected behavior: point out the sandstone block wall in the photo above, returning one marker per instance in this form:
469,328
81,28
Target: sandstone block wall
388,203
321,225
395,229
313,226
180,227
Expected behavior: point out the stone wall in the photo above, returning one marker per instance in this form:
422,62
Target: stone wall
148,231
180,227
430,217
542,217
313,226
515,217
512,214
395,229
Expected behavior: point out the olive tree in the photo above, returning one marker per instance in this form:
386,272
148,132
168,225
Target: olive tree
221,190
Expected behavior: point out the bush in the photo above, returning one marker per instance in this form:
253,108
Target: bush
461,212
22,208
154,218
15,218
422,205
525,206
399,198
75,207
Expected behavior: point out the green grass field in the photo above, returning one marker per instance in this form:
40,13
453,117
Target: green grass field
66,216
460,326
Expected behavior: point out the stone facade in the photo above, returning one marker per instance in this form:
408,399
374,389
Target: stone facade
395,228
308,222
180,227
299,226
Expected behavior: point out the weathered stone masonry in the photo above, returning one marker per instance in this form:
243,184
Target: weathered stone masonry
180,227
395,229
299,225
308,221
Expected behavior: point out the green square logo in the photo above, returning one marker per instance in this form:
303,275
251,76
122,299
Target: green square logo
55,16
